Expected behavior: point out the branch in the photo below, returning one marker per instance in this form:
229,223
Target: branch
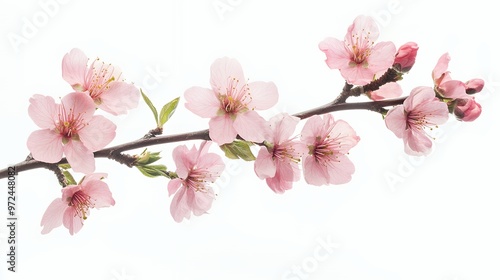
115,151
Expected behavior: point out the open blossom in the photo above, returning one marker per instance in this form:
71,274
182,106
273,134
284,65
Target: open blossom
405,57
196,169
443,84
70,128
74,206
328,142
231,103
422,109
358,58
103,82
278,161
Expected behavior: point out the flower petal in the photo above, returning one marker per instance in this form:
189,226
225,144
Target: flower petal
222,71
45,145
202,201
337,57
179,208
314,172
221,129
251,126
72,221
43,111
389,90
202,102
264,95
173,186
99,192
340,170
79,157
283,127
395,120
78,104
98,133
74,68
119,98
417,143
264,165
53,216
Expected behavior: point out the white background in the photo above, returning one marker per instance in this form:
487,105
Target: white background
437,218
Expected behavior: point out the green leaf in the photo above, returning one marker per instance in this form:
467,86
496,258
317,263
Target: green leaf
69,178
238,149
64,166
167,111
153,170
151,106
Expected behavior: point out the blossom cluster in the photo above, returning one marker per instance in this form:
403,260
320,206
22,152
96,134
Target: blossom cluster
318,152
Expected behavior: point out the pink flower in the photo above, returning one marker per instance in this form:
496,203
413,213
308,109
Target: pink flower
467,109
405,57
443,84
389,90
358,58
70,128
77,200
196,169
231,103
422,109
103,82
328,141
278,161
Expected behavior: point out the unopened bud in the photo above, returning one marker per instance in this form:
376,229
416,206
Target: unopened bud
474,86
405,57
467,109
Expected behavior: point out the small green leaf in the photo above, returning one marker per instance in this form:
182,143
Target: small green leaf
167,111
69,178
238,149
64,166
153,170
151,106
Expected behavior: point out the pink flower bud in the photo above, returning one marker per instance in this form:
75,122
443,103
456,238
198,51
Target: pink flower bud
467,109
474,86
405,57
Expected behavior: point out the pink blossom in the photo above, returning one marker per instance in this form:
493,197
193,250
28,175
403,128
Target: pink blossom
195,170
77,200
443,84
467,109
389,90
328,141
70,128
422,109
103,82
358,58
278,161
405,57
231,103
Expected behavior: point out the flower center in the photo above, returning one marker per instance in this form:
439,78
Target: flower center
324,150
81,202
285,152
236,97
100,79
69,124
198,179
360,49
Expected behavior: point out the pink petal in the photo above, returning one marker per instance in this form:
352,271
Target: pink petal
264,95
264,165
221,129
202,101
45,145
312,128
182,162
453,89
381,57
78,104
363,28
69,191
79,157
441,66
389,90
174,185
53,216
344,134
72,221
202,201
283,127
212,162
99,192
98,133
395,120
179,208
417,143
315,173
418,96
119,98
340,171
93,177
337,57
43,111
223,70
74,67
251,126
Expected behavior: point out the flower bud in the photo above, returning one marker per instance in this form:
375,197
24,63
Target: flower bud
474,86
405,57
467,109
